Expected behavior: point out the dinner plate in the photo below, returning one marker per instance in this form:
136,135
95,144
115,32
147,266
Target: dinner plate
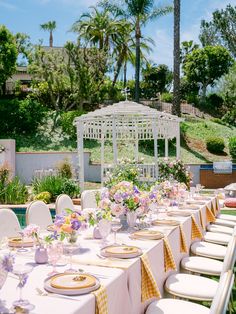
165,222
17,242
180,213
147,234
51,228
202,198
121,251
195,202
189,206
71,283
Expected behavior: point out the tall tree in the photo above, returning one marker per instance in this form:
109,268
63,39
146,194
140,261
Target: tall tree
186,48
8,56
139,12
176,89
205,65
209,35
49,26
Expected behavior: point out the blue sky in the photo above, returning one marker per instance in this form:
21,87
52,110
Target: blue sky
26,16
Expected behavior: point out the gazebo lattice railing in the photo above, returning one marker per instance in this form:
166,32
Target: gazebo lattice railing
127,121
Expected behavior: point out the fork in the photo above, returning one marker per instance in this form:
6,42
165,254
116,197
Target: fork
43,293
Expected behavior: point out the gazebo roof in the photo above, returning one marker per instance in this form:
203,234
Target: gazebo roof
125,109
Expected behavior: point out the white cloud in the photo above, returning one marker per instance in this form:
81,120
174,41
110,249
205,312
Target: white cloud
7,5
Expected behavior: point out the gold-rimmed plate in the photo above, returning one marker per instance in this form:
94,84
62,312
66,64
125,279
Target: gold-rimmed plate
147,234
18,242
179,213
121,251
165,222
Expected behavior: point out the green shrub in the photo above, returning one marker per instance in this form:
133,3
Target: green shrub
55,185
20,116
14,192
64,168
167,97
43,196
67,119
215,144
232,146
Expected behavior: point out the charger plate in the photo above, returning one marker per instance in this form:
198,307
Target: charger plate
202,198
121,251
165,222
71,283
189,206
180,213
195,202
147,234
17,242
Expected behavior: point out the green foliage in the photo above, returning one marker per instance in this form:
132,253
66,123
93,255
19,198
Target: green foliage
232,146
64,169
20,116
215,144
66,122
209,35
176,170
205,65
12,191
156,79
167,97
8,55
43,196
55,185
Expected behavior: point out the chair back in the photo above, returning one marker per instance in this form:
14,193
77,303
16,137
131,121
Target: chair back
63,201
9,224
39,214
88,198
221,299
230,255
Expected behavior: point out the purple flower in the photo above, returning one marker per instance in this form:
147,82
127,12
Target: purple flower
75,224
136,190
7,262
59,220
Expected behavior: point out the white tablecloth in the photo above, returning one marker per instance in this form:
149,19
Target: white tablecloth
123,284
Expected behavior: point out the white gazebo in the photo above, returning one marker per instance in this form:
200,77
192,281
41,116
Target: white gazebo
127,121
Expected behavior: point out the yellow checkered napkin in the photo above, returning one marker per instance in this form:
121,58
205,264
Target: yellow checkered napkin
196,231
201,219
101,301
183,242
168,256
213,209
209,215
149,288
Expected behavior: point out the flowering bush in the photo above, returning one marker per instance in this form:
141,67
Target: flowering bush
174,170
167,189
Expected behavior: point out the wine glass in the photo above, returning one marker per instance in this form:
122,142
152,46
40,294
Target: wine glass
22,271
104,227
115,226
22,248
69,250
54,251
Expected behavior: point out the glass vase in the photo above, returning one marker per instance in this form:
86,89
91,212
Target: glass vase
131,220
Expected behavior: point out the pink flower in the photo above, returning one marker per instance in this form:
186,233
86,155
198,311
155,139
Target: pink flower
117,209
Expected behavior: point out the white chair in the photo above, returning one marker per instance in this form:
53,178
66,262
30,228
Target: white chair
227,217
9,224
39,214
208,249
217,238
88,198
187,286
208,266
220,229
63,201
226,223
218,306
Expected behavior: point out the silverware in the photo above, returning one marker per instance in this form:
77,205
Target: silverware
43,293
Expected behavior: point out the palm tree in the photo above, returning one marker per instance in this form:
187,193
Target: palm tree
176,90
49,26
139,12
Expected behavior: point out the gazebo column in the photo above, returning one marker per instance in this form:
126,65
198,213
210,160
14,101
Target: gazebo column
114,140
155,136
102,159
178,142
166,148
80,146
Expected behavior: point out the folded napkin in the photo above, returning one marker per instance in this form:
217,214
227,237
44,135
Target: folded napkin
201,219
209,215
214,207
196,231
101,300
149,288
169,261
183,242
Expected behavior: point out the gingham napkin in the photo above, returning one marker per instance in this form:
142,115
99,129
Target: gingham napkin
196,231
149,288
209,215
201,219
213,208
101,301
183,242
169,261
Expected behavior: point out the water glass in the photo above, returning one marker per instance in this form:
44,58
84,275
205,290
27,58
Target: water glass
55,251
104,227
115,226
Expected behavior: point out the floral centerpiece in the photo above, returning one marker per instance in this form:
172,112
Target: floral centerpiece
68,224
32,231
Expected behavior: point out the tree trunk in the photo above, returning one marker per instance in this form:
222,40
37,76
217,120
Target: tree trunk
125,74
51,39
176,90
137,59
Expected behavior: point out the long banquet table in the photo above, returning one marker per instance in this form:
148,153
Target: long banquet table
121,278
